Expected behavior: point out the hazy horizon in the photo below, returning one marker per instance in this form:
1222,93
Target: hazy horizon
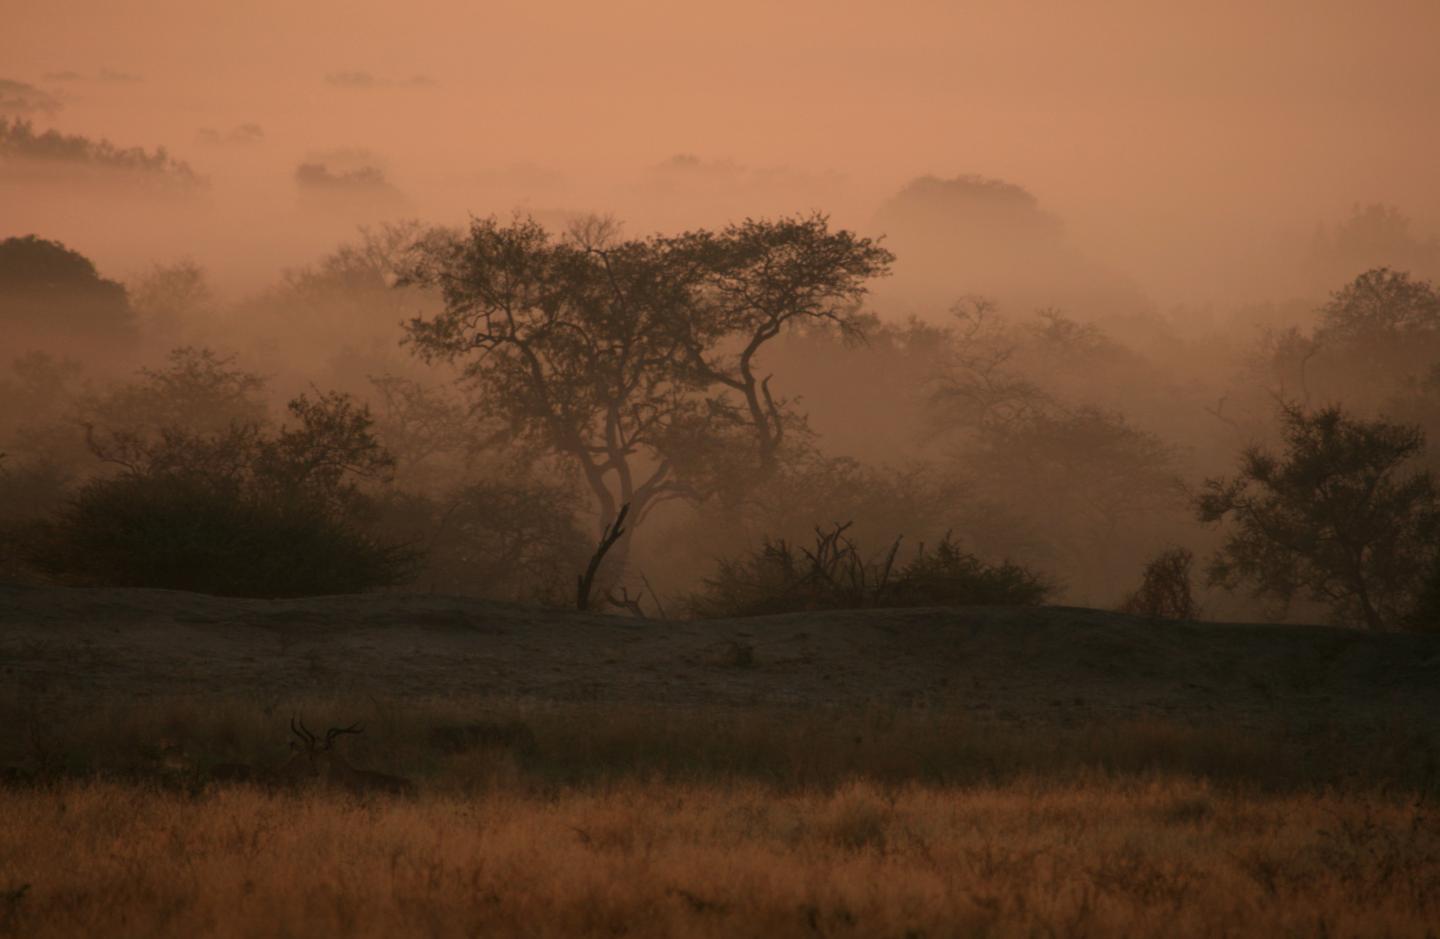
1178,148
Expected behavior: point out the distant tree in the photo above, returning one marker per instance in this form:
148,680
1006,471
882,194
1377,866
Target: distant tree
1372,236
46,287
170,298
1085,477
1341,517
966,205
19,141
24,98
1377,339
1383,318
977,385
1164,591
43,447
198,391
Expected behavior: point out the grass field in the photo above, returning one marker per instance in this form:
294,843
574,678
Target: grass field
1106,857
714,822
978,772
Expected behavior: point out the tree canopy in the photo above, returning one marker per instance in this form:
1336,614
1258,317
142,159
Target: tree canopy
47,286
1339,517
638,359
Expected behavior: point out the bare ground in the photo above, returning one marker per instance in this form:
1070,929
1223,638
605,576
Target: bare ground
1053,664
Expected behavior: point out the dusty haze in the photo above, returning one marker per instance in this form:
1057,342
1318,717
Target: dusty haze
1148,197
1181,148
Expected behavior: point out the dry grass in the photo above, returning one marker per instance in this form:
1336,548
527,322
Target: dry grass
573,821
68,737
1101,858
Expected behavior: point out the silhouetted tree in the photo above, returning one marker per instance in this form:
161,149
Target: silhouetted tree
757,278
197,391
19,141
1338,517
172,298
1164,591
1373,236
46,287
628,356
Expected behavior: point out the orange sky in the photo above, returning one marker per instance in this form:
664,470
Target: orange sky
1155,132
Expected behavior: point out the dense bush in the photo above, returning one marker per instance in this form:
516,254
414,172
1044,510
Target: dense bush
209,534
782,578
240,512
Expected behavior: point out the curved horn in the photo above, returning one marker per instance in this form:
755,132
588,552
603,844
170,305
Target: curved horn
302,731
334,732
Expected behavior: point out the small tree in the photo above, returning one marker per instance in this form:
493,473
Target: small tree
1337,518
1164,591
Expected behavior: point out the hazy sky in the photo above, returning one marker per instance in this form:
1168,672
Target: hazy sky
1127,118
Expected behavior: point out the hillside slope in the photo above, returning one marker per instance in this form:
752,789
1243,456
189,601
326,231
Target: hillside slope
1054,663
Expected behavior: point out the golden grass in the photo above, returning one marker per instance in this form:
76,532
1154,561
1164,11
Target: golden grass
714,822
1105,857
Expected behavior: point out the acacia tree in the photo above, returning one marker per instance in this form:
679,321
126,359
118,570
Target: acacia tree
570,341
625,355
756,279
1337,518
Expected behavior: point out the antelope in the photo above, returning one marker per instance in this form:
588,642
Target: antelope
317,759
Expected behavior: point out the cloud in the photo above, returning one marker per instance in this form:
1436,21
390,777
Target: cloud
360,79
21,98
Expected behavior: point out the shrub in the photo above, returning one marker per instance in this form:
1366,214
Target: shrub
192,532
948,576
782,578
1164,591
237,512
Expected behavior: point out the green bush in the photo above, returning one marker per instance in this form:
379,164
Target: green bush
782,578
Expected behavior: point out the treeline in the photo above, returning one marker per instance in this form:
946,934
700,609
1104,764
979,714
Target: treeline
472,411
20,141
